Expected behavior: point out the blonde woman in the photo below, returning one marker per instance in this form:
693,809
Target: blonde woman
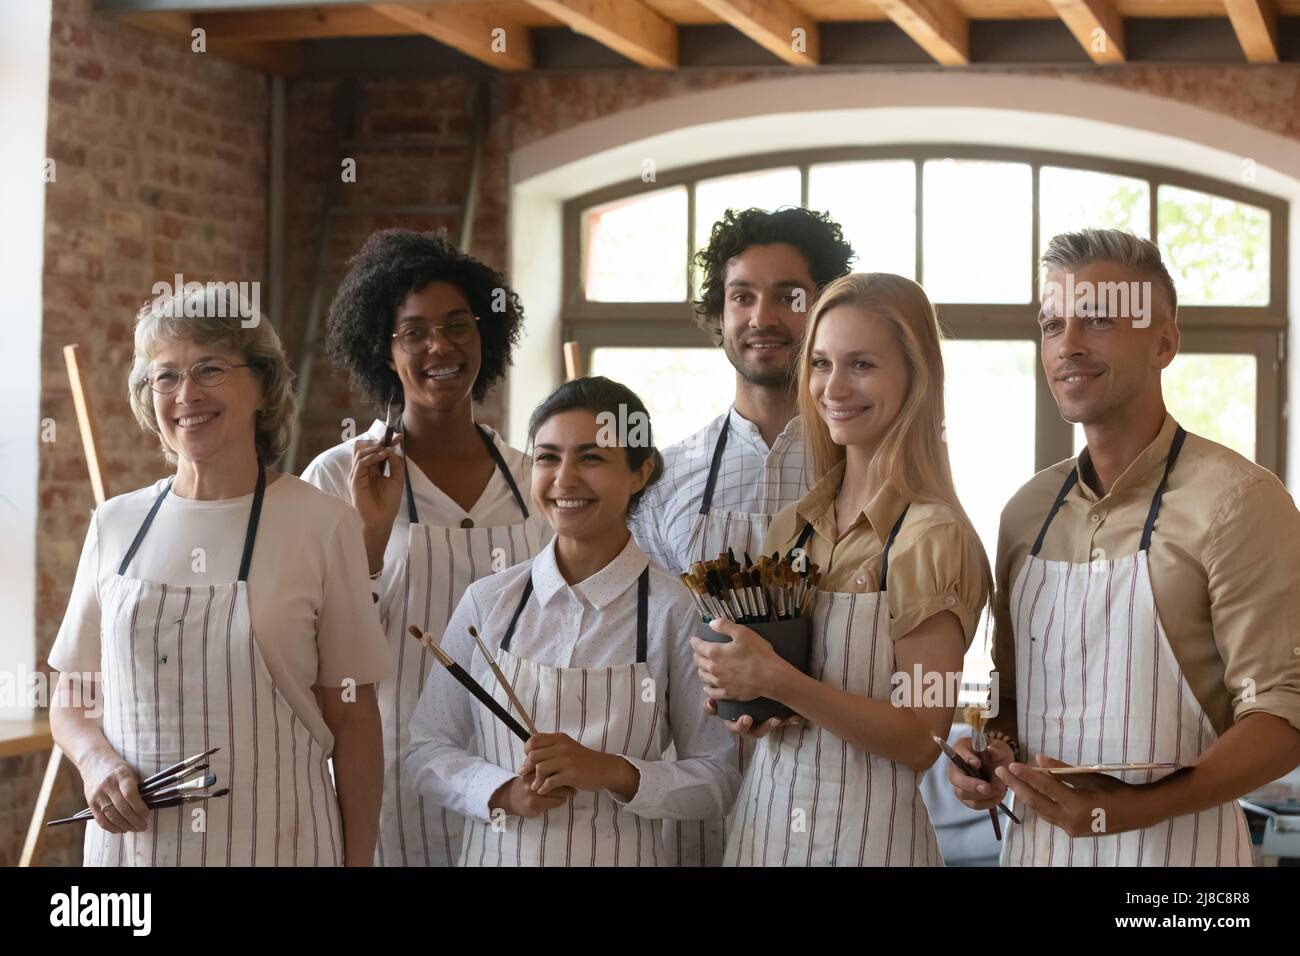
904,579
226,606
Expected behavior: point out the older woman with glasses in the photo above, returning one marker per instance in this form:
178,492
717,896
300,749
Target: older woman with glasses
425,331
224,610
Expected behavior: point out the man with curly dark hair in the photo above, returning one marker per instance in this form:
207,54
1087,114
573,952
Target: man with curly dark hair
761,271
425,330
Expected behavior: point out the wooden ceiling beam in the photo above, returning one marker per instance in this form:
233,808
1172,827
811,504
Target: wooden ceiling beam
484,36
285,58
1255,23
1097,25
628,27
937,26
776,25
313,23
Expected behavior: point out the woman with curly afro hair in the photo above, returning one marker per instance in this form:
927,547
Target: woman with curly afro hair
424,331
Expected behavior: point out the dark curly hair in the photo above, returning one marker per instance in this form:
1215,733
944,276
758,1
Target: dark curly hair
597,394
815,234
391,265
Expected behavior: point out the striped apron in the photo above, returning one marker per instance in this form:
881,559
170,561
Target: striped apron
700,842
182,674
1097,682
812,799
440,564
612,709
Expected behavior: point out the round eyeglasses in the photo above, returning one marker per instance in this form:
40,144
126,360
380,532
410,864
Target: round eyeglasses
207,374
418,337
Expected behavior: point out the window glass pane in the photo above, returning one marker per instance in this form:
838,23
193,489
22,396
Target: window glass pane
635,249
875,203
978,231
683,388
764,189
1216,249
1070,199
979,376
1211,395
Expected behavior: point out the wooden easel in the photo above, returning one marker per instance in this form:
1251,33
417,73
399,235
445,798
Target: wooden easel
90,442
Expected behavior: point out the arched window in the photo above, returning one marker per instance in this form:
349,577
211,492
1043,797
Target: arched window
969,223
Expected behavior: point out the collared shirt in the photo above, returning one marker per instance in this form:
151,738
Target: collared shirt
496,506
751,478
935,564
591,625
1224,563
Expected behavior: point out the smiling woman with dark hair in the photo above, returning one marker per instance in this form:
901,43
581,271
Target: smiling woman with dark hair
425,331
594,639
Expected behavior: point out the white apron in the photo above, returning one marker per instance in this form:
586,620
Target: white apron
182,674
441,563
1097,682
700,842
601,708
812,799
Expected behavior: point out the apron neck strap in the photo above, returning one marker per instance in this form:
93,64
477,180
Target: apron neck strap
1154,510
807,531
889,543
642,615
1070,480
413,517
707,501
250,534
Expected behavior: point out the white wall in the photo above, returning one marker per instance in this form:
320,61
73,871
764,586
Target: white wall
24,78
863,109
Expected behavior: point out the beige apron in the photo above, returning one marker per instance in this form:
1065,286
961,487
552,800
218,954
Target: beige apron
812,799
601,708
441,563
183,674
1097,682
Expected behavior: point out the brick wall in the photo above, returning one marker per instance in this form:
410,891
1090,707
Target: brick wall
160,156
161,168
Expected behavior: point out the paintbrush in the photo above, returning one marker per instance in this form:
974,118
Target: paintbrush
175,769
471,685
390,425
192,798
501,679
1106,768
980,744
160,798
967,769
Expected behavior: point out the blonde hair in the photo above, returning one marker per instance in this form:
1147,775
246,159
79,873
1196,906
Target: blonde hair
913,454
213,315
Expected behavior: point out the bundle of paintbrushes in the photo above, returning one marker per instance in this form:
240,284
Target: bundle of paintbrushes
772,589
169,787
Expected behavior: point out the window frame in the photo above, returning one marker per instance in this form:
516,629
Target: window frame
1258,330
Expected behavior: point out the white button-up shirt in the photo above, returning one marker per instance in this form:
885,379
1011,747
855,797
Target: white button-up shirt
590,625
751,478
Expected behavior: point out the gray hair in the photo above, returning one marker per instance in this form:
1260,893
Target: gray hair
1069,250
215,314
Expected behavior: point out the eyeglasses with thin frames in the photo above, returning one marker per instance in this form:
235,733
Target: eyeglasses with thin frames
417,337
207,374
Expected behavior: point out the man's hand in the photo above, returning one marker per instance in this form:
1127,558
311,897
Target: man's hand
1090,805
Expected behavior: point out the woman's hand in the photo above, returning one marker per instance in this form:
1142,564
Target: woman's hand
742,669
745,724
376,498
973,792
559,761
112,790
518,797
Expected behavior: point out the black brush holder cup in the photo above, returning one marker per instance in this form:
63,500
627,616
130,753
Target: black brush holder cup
792,641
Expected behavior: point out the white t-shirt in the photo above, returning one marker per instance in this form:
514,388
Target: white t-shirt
313,617
495,507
